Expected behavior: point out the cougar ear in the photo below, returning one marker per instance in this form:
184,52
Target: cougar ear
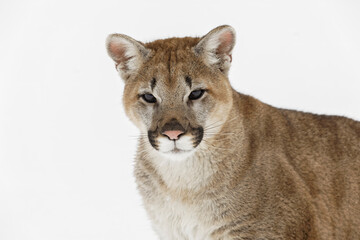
127,53
215,47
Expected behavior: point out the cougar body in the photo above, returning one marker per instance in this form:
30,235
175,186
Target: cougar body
216,164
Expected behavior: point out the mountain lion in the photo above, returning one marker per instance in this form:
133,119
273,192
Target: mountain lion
213,163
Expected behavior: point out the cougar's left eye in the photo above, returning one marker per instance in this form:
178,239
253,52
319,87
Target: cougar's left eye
148,97
196,94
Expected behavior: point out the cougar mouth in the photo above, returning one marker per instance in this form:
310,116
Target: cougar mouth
176,143
176,150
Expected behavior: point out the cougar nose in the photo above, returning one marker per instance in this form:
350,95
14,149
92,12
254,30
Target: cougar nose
173,135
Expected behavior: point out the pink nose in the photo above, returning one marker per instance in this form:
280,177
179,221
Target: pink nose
173,135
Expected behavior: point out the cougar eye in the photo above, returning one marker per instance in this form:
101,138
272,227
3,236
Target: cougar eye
196,94
148,97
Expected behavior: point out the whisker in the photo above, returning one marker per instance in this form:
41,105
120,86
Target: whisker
218,124
213,123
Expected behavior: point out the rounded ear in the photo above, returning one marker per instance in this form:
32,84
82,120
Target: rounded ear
127,53
216,47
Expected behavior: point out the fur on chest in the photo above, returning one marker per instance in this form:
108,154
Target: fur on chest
175,219
174,197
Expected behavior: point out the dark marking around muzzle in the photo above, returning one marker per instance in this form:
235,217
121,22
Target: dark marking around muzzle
199,134
152,139
175,127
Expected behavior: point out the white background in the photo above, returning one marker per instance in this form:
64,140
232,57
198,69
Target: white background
66,146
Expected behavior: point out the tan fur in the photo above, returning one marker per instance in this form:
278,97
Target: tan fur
259,172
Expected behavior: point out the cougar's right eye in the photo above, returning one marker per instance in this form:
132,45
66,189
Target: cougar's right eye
148,97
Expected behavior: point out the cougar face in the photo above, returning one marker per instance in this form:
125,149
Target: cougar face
173,93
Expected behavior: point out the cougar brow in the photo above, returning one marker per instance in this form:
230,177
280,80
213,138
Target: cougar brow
153,83
188,81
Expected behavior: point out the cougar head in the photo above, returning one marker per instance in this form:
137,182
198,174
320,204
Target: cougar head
176,90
